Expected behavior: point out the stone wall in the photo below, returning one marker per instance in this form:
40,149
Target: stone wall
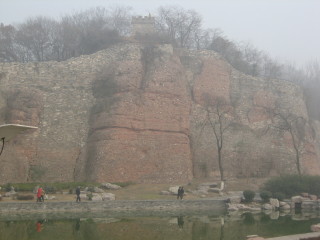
135,112
14,210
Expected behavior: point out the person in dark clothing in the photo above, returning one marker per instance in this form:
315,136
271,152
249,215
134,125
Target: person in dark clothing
181,193
78,194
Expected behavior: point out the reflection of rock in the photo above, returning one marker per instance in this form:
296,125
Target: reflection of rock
242,207
274,215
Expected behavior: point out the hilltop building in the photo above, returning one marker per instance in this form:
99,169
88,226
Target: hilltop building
143,25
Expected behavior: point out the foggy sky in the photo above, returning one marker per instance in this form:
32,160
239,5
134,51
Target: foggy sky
286,29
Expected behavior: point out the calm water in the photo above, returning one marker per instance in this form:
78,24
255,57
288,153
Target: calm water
180,227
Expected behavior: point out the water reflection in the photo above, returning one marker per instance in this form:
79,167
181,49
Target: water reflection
228,227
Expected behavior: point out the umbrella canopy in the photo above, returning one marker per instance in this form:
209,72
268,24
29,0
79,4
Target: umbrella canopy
9,131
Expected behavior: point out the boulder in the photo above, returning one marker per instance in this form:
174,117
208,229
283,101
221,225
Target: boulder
83,196
108,196
110,186
267,206
10,194
313,197
98,190
274,203
97,198
297,199
174,190
285,206
315,227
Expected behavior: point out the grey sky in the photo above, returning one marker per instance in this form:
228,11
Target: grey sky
286,29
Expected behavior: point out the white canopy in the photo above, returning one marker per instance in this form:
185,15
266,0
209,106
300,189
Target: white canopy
9,131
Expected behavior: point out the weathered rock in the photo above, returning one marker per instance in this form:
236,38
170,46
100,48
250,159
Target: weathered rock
108,196
315,227
174,190
313,197
96,197
296,199
267,206
285,206
98,190
10,194
110,186
274,203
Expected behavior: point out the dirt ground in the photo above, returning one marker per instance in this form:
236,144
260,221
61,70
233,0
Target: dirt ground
152,191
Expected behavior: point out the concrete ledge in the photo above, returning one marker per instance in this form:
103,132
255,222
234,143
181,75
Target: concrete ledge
115,208
297,236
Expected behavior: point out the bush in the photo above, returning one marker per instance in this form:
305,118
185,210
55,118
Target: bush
248,195
25,197
50,189
291,185
265,196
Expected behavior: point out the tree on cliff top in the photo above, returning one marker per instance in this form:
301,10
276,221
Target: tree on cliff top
219,118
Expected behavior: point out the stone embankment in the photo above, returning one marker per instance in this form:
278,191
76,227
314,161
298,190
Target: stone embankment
115,208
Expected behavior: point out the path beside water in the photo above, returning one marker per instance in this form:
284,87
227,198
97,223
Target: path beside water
29,210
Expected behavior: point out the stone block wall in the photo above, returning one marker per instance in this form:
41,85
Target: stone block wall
135,112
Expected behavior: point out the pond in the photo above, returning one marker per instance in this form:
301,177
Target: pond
199,227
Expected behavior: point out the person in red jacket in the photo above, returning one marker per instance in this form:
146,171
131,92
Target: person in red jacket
39,194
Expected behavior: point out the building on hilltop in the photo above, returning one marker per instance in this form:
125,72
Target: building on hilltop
143,25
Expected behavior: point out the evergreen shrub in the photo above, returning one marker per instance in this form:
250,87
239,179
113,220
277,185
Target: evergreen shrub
291,185
248,195
265,196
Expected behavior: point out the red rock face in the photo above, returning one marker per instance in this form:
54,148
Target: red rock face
24,107
214,80
135,113
143,135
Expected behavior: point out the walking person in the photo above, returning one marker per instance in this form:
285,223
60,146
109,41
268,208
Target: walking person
42,195
78,194
39,194
179,193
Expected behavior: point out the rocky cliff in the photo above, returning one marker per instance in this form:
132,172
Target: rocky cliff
136,112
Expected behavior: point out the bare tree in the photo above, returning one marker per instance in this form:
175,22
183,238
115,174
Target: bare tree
179,24
36,36
219,118
285,121
7,35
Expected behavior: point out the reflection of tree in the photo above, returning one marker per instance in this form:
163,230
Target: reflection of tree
248,218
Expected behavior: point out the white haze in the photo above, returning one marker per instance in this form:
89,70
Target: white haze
286,29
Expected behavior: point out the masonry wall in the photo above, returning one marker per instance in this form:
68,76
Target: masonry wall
132,113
